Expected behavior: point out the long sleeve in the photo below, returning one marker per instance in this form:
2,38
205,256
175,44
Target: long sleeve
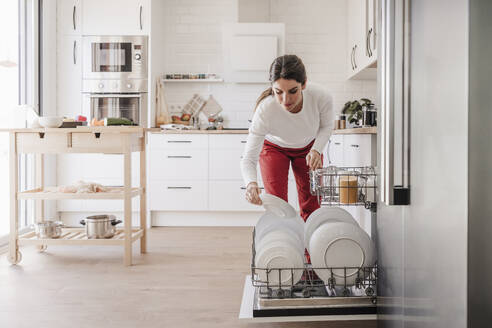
254,144
326,122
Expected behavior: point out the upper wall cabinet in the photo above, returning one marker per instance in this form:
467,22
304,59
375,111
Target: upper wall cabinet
69,17
116,17
249,49
361,36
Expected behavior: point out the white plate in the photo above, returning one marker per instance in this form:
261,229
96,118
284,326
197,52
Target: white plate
322,215
279,254
282,234
270,222
341,244
278,206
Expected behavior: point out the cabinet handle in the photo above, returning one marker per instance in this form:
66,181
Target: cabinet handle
352,58
170,187
369,42
355,62
179,141
73,18
355,146
140,17
337,143
74,51
243,141
170,156
244,188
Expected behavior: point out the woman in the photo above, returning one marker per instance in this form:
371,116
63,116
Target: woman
291,125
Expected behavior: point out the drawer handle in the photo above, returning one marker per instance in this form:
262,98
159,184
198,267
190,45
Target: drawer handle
41,135
337,143
355,146
178,187
98,135
178,156
243,141
179,141
244,188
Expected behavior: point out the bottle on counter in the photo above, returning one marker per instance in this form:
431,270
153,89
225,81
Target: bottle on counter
340,122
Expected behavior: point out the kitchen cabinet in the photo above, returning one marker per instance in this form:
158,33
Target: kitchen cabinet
116,17
69,75
69,17
203,169
361,39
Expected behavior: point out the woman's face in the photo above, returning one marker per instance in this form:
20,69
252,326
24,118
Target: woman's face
288,93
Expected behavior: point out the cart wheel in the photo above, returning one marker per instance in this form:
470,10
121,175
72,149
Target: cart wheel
280,293
306,293
42,248
345,292
369,291
15,260
374,300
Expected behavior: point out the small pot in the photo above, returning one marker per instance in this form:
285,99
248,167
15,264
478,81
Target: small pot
48,229
100,226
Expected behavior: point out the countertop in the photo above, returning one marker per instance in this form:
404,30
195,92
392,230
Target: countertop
371,130
158,130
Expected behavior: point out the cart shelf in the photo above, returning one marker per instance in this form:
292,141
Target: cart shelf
51,193
77,236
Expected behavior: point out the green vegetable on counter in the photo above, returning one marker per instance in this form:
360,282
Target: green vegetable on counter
109,121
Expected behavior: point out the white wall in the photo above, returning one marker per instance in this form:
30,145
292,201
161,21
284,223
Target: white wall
316,30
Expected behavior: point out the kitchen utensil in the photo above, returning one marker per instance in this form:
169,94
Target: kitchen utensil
277,253
51,121
48,229
278,206
100,226
322,215
341,245
348,187
270,222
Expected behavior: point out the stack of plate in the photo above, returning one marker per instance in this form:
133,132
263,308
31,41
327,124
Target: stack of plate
335,240
279,243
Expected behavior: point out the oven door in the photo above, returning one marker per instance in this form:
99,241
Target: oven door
130,106
114,57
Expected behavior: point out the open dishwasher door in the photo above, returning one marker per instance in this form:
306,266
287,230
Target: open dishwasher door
257,309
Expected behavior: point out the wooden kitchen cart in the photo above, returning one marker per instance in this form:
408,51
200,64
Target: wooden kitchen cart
110,140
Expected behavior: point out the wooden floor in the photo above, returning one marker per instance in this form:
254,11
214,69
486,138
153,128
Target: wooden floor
190,277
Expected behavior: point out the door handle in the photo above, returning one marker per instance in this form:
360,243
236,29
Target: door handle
140,17
171,156
244,188
172,187
74,51
179,141
369,42
73,18
355,146
394,97
355,62
352,58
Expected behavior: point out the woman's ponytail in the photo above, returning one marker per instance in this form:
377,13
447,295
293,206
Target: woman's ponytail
268,92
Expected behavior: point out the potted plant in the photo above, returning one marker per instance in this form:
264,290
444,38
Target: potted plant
354,110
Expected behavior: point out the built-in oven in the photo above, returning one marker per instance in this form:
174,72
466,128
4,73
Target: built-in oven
114,57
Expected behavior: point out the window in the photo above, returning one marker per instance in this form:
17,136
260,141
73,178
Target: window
18,85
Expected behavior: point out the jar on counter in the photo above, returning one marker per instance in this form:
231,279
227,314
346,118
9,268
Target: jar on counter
340,122
369,116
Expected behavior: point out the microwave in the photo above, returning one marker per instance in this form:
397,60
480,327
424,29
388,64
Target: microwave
114,57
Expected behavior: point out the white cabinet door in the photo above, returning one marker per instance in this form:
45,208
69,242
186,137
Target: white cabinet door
178,195
356,42
69,17
357,150
334,152
69,76
116,17
229,196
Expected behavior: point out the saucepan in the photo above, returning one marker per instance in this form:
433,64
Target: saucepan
100,226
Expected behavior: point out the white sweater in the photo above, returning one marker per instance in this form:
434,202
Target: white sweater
289,130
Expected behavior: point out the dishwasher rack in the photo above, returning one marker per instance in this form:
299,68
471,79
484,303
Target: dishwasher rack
310,286
345,186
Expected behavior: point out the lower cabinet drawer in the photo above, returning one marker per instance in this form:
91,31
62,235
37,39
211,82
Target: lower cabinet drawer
179,164
229,196
178,195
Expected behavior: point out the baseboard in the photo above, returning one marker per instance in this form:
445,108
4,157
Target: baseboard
205,218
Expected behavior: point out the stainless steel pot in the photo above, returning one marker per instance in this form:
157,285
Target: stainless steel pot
100,226
48,229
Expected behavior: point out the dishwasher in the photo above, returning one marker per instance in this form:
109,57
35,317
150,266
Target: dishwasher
311,298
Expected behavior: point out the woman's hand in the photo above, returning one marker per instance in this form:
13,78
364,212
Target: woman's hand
313,160
253,193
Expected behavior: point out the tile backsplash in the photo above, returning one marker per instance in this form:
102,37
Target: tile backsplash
316,31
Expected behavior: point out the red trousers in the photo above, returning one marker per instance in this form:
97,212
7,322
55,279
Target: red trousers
274,165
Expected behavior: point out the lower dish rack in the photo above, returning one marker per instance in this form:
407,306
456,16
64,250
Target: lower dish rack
311,286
